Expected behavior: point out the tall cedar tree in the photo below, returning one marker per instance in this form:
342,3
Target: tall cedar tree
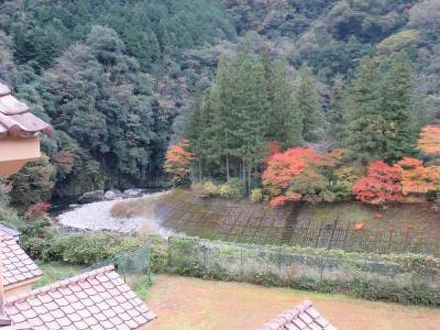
307,103
383,124
220,121
338,110
401,128
251,105
197,133
285,120
364,135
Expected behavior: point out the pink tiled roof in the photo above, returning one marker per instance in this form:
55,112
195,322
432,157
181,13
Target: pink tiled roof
17,266
303,316
16,119
96,300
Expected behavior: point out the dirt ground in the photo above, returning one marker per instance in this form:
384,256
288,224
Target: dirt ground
187,303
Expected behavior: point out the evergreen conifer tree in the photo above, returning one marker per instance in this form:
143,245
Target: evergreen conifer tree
307,102
364,135
338,110
401,129
285,119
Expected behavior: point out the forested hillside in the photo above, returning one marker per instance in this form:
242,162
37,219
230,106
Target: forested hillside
121,80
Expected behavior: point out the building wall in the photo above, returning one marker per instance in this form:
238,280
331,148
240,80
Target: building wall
15,152
12,292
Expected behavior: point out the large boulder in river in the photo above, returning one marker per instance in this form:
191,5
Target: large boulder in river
91,196
112,194
132,193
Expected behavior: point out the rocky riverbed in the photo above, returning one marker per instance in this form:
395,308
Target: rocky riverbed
97,216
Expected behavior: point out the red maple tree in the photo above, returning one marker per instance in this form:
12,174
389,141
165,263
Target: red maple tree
295,174
381,185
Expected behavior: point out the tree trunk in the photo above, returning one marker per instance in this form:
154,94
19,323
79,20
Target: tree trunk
228,176
249,179
200,170
244,174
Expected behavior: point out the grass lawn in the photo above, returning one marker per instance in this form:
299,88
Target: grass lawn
57,271
188,303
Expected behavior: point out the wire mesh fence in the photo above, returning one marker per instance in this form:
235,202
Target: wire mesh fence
398,278
135,262
405,278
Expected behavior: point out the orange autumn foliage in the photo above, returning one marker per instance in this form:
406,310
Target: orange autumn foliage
282,167
381,185
290,174
430,140
177,161
290,196
359,226
417,178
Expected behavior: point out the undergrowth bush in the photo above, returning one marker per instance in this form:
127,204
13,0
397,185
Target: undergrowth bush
256,195
210,188
93,248
231,189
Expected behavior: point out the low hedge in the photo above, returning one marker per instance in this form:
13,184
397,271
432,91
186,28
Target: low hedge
91,248
400,278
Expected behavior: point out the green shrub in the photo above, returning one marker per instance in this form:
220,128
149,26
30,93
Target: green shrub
231,189
10,217
4,197
93,248
256,195
210,188
158,253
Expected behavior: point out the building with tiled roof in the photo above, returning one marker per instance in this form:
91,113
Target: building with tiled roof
95,300
19,130
19,270
301,317
9,232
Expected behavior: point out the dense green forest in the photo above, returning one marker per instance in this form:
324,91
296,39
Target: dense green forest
121,80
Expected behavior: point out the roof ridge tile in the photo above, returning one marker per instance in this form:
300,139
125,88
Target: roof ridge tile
298,317
72,280
16,119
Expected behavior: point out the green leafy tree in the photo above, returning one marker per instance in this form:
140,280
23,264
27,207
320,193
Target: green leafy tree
33,183
91,95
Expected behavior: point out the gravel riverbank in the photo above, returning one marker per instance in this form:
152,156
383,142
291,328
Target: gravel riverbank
97,216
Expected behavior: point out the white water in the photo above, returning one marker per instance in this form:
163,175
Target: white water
96,216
